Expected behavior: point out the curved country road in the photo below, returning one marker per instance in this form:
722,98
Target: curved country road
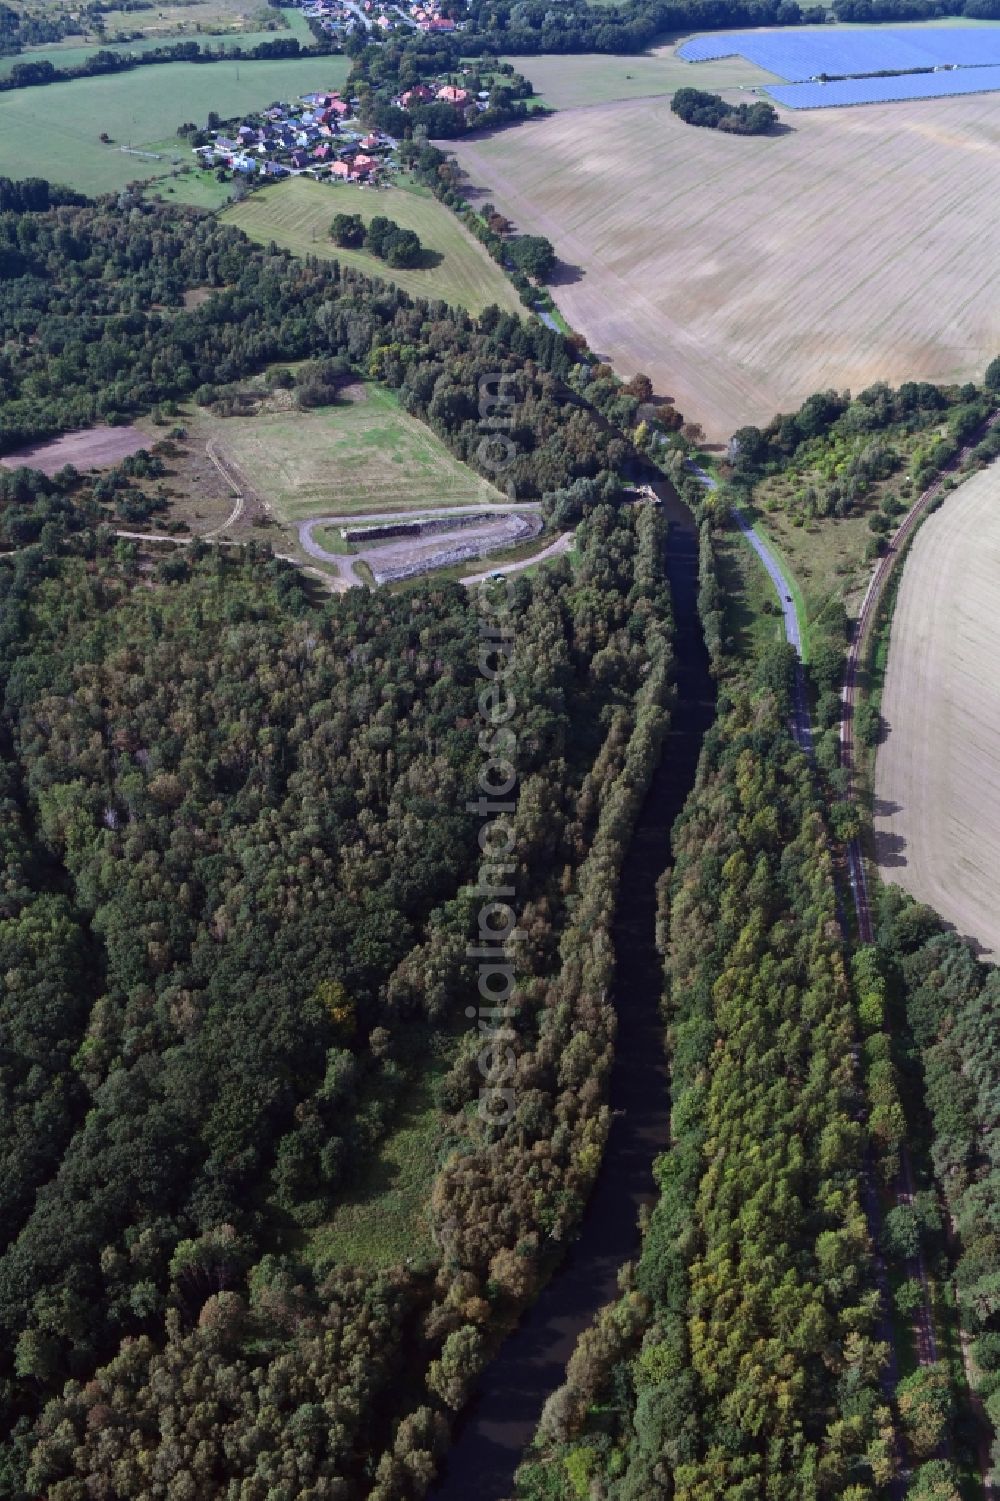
562,544
801,722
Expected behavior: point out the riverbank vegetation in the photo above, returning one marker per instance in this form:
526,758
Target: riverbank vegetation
746,1351
944,1003
240,851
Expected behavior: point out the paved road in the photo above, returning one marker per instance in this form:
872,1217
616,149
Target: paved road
801,723
560,545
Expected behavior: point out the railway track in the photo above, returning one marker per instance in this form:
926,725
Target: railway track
862,631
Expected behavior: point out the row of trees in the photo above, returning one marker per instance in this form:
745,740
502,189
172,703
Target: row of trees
33,73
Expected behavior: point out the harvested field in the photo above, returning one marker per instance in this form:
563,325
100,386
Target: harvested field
937,779
742,274
297,214
93,448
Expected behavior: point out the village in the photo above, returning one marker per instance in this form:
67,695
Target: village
340,18
318,135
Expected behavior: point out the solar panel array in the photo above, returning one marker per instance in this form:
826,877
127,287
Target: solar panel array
803,52
886,90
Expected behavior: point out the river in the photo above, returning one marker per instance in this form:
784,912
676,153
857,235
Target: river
530,1364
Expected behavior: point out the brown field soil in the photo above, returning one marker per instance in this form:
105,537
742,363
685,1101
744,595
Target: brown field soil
742,274
937,777
93,448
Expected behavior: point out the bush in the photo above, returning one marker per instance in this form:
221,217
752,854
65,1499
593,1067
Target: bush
348,231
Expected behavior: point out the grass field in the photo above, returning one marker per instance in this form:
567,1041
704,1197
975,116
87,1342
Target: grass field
573,82
297,214
937,779
196,186
71,55
53,132
364,455
742,274
384,1219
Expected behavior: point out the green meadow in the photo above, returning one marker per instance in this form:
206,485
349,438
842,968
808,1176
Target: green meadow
54,131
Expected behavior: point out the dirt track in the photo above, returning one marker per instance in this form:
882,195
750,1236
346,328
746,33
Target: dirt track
937,824
92,448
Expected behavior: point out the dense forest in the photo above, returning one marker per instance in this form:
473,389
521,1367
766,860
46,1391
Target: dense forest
947,1004
92,303
746,1353
239,899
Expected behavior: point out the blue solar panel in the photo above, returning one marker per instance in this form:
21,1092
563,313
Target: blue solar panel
801,53
886,90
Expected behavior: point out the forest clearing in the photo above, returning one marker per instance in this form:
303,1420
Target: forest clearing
744,274
937,783
365,453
